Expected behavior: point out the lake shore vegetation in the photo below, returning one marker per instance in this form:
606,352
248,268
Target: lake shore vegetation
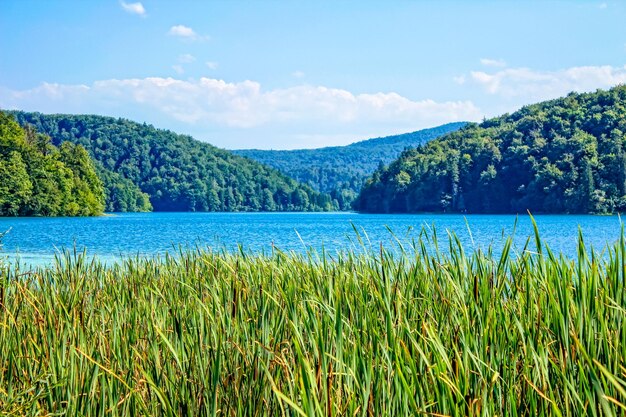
430,329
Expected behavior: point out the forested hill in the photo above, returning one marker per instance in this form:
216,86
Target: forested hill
39,179
176,171
341,170
561,156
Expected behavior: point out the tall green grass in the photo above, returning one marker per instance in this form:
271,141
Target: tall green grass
424,332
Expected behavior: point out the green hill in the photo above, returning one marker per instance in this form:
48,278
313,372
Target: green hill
177,172
39,179
342,170
560,156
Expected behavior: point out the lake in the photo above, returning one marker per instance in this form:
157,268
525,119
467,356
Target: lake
36,240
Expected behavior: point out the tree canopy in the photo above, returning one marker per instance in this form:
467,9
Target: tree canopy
342,170
176,172
39,179
561,156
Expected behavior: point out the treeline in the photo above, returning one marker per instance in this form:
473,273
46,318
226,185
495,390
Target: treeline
342,170
40,179
177,172
561,156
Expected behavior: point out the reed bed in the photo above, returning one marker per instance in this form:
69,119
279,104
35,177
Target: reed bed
426,331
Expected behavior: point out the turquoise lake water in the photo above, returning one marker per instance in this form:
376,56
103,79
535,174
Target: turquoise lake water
36,240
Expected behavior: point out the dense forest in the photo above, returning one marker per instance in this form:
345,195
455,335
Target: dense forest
561,156
40,179
342,170
122,195
177,172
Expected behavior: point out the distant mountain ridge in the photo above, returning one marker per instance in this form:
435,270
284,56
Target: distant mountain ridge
177,172
342,170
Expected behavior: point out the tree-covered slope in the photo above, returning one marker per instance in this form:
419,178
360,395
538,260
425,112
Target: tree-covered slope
561,156
122,195
341,170
176,171
39,179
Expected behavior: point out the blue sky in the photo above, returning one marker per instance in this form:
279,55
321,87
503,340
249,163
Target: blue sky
295,74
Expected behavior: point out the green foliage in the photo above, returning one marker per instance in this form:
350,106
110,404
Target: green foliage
561,156
122,195
177,172
423,332
16,187
39,179
342,170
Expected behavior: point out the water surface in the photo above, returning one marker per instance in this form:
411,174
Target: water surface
36,240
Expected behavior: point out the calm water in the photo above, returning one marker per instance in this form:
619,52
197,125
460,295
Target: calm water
36,240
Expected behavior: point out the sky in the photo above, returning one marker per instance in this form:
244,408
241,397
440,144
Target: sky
303,74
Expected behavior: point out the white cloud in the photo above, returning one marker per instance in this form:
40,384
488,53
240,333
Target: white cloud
533,85
179,69
211,65
298,74
133,8
603,6
52,91
493,62
459,80
182,31
186,58
185,32
235,109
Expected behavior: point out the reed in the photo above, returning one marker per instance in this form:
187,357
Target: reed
420,331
